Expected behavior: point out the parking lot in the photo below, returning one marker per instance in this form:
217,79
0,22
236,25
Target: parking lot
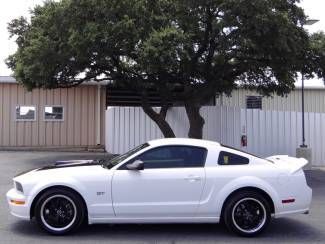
297,229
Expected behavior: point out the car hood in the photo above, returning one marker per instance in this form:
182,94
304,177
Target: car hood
61,165
72,163
68,173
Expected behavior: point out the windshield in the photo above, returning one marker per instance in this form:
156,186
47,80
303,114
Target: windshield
118,159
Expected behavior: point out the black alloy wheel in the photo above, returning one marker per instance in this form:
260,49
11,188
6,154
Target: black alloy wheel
247,213
59,211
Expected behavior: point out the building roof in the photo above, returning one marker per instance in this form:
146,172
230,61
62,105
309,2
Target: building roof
312,85
7,79
10,79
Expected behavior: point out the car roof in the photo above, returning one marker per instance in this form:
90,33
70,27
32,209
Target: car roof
183,141
199,143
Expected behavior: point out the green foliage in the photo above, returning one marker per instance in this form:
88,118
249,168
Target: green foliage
204,46
316,55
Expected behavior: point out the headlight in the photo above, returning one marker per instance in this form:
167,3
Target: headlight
18,187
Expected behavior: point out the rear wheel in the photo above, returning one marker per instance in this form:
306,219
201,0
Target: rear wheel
247,213
59,211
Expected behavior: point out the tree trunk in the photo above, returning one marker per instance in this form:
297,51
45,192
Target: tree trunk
195,119
159,119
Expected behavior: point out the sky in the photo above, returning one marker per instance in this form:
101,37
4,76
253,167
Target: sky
15,8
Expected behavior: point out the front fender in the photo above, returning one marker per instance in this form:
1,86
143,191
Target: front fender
66,182
94,191
63,182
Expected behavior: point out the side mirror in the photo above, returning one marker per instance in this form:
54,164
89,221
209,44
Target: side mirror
136,165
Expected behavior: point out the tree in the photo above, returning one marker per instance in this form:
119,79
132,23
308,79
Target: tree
204,47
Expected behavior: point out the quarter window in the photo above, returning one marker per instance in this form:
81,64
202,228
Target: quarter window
53,113
25,113
227,158
173,157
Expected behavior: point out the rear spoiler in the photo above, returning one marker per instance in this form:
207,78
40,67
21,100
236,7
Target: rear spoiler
291,163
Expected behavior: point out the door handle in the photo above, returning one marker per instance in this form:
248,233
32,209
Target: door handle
192,178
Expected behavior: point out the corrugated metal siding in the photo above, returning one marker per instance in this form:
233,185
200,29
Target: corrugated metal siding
268,132
279,132
127,127
77,129
314,100
102,116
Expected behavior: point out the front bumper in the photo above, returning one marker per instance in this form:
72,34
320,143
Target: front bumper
18,210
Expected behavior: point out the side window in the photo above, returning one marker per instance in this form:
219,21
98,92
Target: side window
25,113
227,158
173,157
53,113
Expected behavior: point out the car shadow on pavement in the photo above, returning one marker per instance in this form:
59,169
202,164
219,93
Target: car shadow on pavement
284,229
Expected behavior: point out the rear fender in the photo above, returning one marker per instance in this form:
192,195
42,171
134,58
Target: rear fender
246,182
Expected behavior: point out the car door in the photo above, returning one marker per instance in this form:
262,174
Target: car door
170,185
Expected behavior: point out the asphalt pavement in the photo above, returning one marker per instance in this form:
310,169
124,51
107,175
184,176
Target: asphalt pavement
296,229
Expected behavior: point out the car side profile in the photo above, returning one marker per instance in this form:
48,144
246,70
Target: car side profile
164,181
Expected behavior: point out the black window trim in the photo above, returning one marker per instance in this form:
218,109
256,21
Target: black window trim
222,151
122,167
247,154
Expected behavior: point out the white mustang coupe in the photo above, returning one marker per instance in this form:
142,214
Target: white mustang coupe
164,181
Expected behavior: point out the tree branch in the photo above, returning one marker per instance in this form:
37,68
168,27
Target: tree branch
205,42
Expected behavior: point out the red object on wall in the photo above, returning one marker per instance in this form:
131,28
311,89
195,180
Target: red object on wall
243,141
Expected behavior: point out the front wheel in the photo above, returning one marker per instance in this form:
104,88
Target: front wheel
247,213
59,211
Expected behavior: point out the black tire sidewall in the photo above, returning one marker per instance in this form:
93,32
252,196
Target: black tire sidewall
230,204
80,214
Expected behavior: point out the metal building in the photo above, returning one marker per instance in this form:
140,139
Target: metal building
75,117
314,100
71,117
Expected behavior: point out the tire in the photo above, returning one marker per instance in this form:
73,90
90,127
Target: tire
60,211
247,213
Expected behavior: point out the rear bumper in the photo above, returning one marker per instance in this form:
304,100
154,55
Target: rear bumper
300,206
18,210
299,211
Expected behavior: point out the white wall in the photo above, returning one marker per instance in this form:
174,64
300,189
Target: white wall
280,132
314,100
268,132
127,127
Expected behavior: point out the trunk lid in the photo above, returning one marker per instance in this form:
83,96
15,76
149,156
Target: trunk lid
290,163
